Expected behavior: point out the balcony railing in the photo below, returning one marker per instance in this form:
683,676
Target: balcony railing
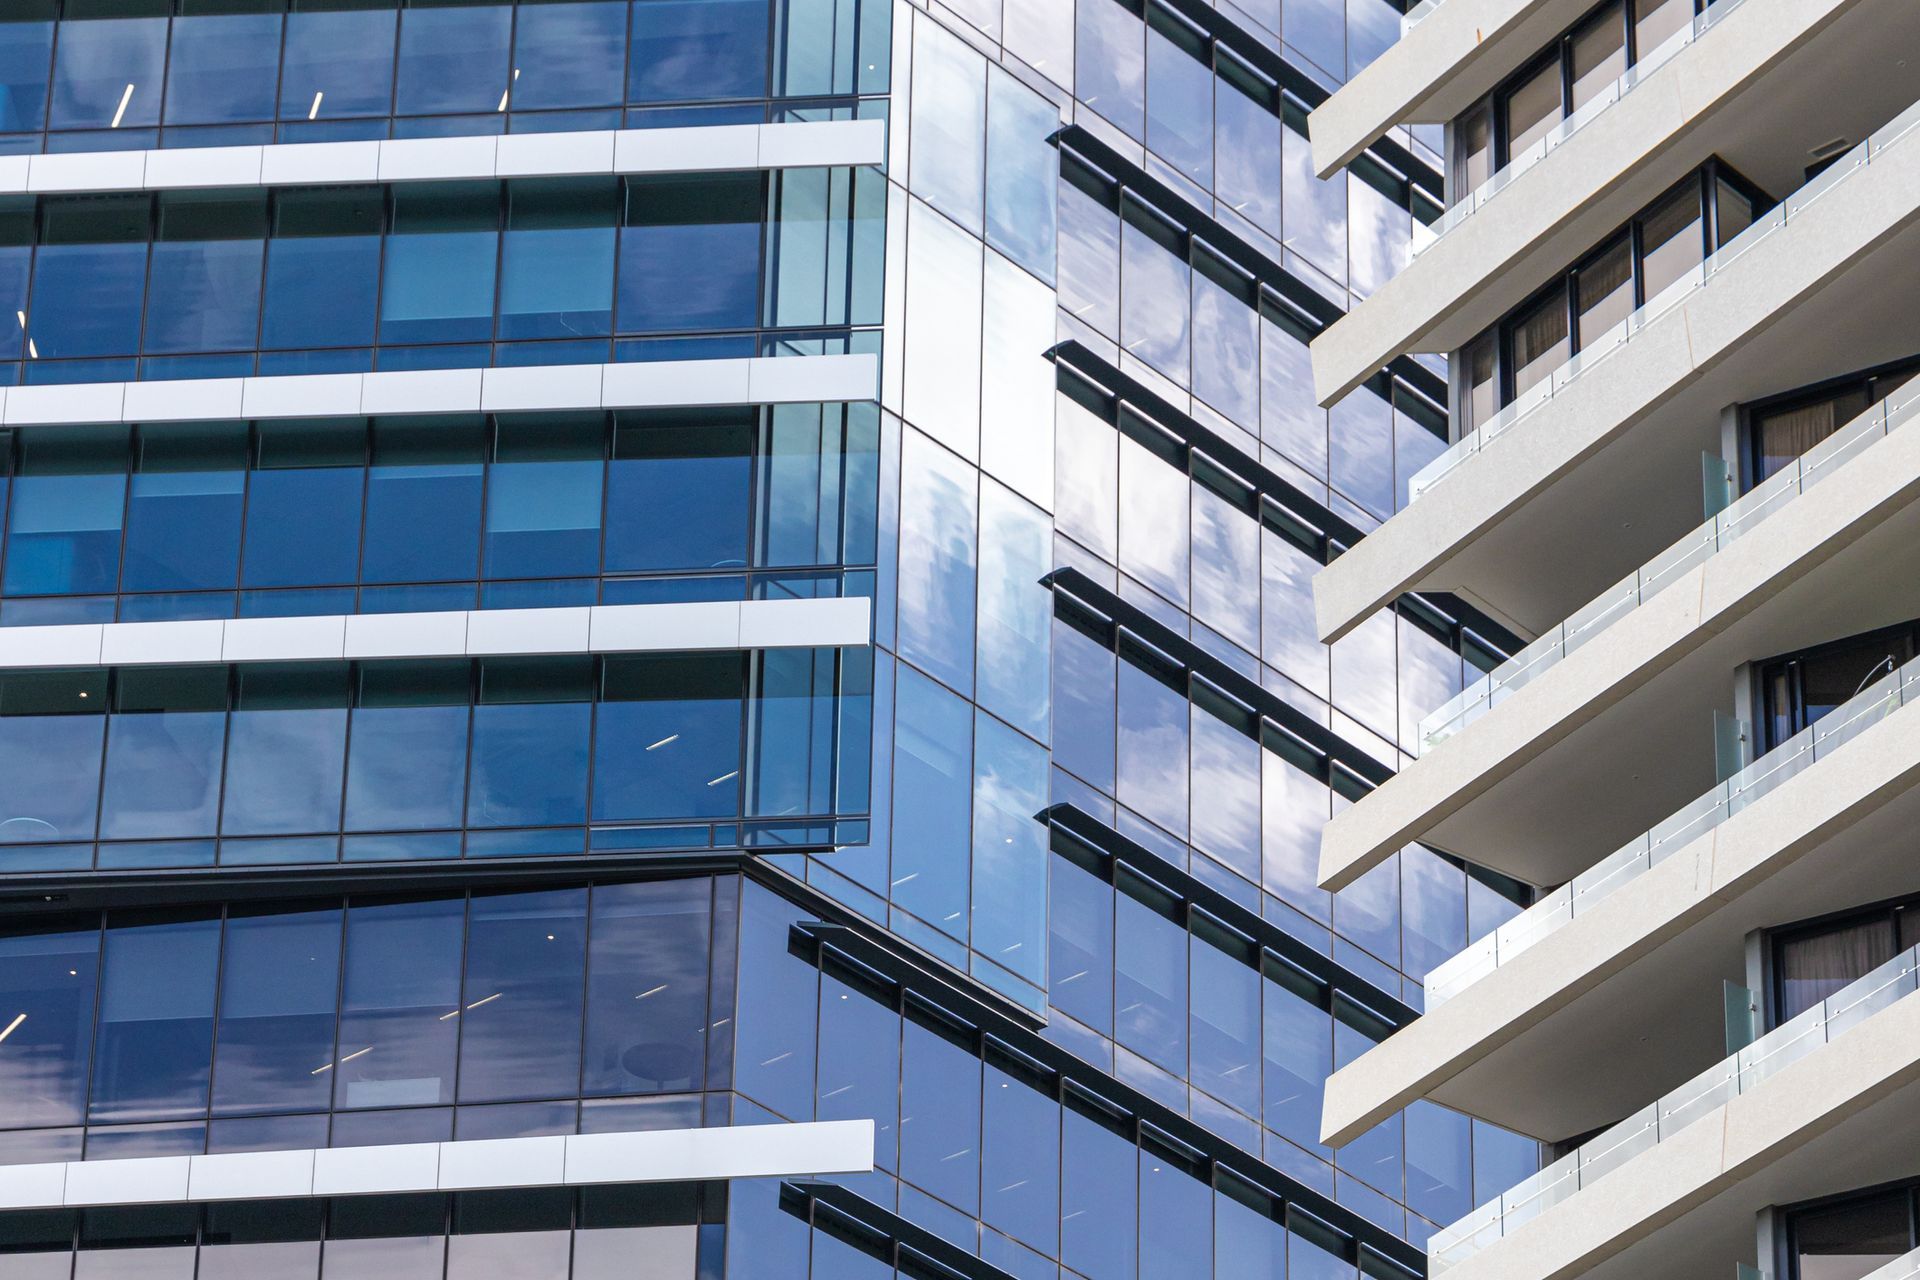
1699,1097
1666,300
1558,136
1593,886
1739,519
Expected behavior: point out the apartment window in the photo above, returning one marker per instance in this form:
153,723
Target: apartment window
1852,1238
1780,430
1573,71
1578,309
1798,689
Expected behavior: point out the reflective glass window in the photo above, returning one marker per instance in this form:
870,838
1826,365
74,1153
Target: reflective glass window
155,1045
1179,95
64,525
679,490
1080,966
1599,52
165,746
647,988
544,494
1020,1170
568,55
454,58
1021,165
948,144
108,71
776,1026
51,726
204,286
407,759
1533,107
860,1065
184,508
318,470
1099,1199
438,285
1152,748
1853,1239
940,1117
556,260
1670,241
279,986
26,50
423,500
1156,301
1176,1221
1009,849
1110,64
91,272
47,981
222,67
932,798
672,222
285,746
530,735
939,509
521,1004
667,740
1539,338
338,64
399,1011
323,266
694,49
1150,985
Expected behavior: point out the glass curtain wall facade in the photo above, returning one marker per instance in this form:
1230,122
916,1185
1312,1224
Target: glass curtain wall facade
1025,876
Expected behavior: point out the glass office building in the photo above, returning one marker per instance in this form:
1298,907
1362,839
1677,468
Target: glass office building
599,598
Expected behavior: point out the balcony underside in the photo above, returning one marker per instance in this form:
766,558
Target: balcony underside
1754,91
1837,1120
1623,1003
1619,734
1607,474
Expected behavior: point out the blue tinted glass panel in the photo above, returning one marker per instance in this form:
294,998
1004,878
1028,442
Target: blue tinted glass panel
222,67
155,1046
679,492
1080,967
647,989
423,502
860,1066
92,295
1009,849
64,534
1152,748
556,262
25,51
569,55
454,59
402,995
1099,1199
932,800
543,519
521,1005
52,767
286,744
164,750
49,977
108,72
1150,986
438,284
940,1118
1226,1028
776,1023
672,223
1180,106
1020,1174
698,49
278,996
320,291
667,740
206,296
183,530
1176,1221
338,64
407,763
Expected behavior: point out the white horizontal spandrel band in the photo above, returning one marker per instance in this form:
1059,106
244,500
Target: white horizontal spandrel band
695,149
658,384
666,1155
481,633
